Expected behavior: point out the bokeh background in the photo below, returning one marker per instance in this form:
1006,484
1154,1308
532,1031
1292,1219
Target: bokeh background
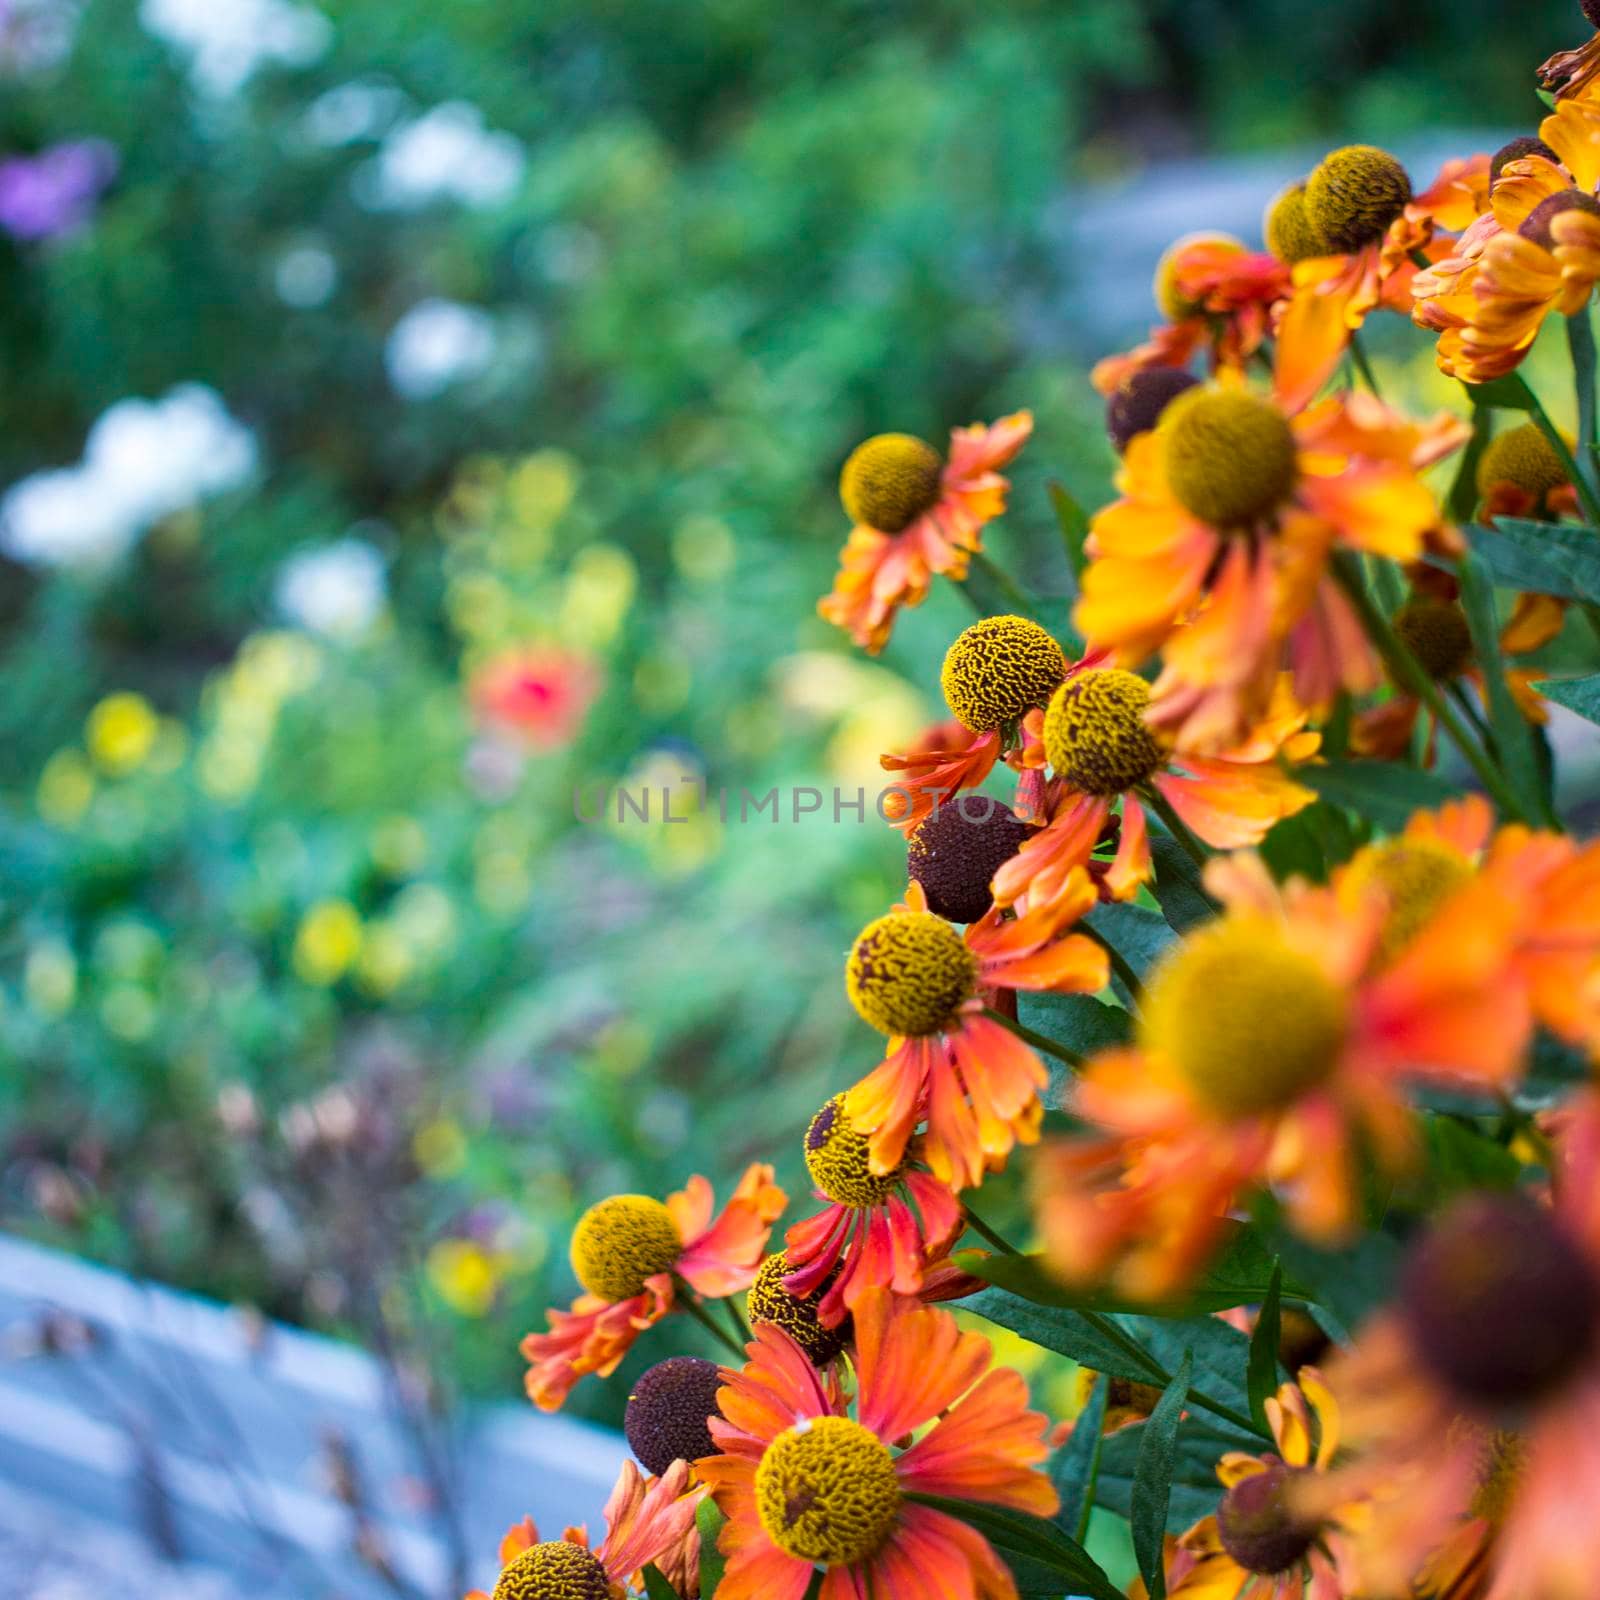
410,415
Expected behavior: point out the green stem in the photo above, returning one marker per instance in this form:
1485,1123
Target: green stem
1037,1040
1175,825
1591,615
984,1231
1119,964
686,1298
1091,1487
1109,1329
1459,694
1408,674
1359,355
1580,345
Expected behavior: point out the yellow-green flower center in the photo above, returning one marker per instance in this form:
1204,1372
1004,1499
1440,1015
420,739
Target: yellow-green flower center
553,1571
1353,196
998,670
1095,734
837,1159
890,480
1523,458
797,1315
1250,1023
1436,633
1417,876
909,973
620,1242
1230,456
827,1492
1173,303
1290,236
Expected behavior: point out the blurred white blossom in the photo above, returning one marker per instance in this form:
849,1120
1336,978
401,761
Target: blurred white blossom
143,460
36,34
438,343
227,40
447,154
359,109
337,590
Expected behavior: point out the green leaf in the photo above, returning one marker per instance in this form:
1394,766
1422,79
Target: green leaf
1152,1481
1348,1285
1576,694
1202,1439
1074,521
1043,1558
1139,935
1513,737
1311,842
1078,1021
1463,497
656,1586
708,1519
1179,891
1462,1158
1073,1466
1262,1376
1058,1328
1556,558
1505,394
1381,791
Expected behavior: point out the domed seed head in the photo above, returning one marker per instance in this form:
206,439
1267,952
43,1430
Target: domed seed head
798,1315
1095,735
827,1491
1230,456
1257,1527
955,852
1136,404
668,1413
910,973
1536,225
1525,144
1353,195
890,480
1289,234
998,670
1500,1302
556,1570
621,1242
1524,459
1436,633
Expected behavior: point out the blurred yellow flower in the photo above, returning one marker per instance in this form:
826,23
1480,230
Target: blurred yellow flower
440,1147
465,1276
600,589
541,487
386,960
50,977
66,786
399,846
328,942
703,548
121,731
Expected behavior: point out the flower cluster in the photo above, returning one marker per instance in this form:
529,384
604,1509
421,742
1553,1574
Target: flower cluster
1296,1012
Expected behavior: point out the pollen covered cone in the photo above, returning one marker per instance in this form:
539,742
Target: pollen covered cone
1536,250
915,514
1217,553
647,1524
877,1230
1355,229
1259,1542
1217,297
805,1483
626,1253
1473,1403
1101,749
964,1073
1274,1048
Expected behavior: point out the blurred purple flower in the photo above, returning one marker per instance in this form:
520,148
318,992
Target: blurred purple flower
54,192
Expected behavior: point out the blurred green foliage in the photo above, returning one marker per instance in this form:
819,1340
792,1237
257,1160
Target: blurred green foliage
310,993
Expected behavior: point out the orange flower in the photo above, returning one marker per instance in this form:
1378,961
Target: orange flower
805,1484
975,1083
1571,72
868,1236
1364,224
628,1252
1100,749
1273,1047
538,693
645,1525
1536,250
915,514
1216,296
1474,1400
1218,551
1257,1546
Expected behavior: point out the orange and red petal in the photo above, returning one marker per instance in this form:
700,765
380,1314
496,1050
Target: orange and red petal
592,1337
913,1363
722,1258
